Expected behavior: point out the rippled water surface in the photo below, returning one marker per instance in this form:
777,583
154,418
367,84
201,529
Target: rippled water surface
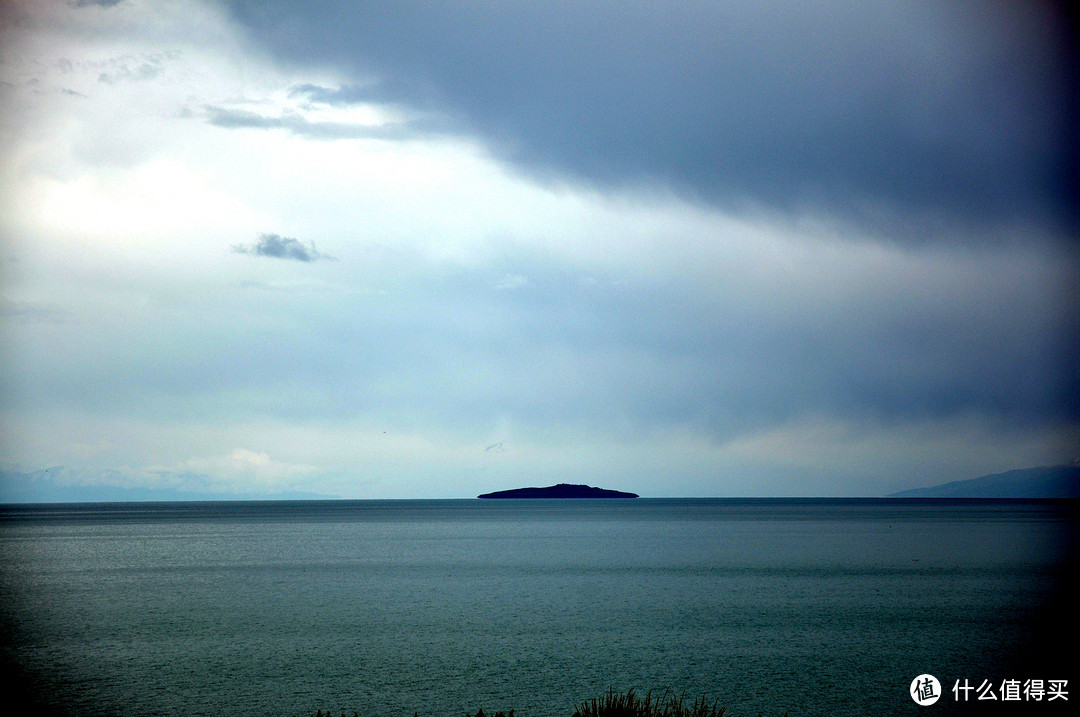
444,607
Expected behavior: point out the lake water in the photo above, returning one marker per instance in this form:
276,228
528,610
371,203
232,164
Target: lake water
816,607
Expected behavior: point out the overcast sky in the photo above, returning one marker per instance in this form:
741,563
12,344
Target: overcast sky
412,250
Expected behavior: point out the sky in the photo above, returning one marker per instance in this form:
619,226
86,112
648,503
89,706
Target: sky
429,250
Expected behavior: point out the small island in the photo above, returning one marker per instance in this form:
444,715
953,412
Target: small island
562,490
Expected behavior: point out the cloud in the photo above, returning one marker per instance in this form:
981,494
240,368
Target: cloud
240,468
138,72
378,91
279,247
31,312
901,117
297,124
334,113
513,282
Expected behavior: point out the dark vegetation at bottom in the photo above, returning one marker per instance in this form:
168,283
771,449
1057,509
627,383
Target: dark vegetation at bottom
630,705
621,705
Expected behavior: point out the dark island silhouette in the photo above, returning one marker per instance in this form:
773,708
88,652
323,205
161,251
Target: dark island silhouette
562,490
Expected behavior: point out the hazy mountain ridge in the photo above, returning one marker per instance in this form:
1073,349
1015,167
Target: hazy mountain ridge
52,485
1061,481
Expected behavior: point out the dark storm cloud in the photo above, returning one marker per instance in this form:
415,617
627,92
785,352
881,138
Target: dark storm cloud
280,247
892,113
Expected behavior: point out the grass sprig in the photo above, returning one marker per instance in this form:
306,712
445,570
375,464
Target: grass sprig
615,704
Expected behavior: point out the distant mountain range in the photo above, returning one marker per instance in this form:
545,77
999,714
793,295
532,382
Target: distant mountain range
1044,482
50,486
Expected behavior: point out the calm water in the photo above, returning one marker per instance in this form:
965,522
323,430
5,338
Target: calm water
445,607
